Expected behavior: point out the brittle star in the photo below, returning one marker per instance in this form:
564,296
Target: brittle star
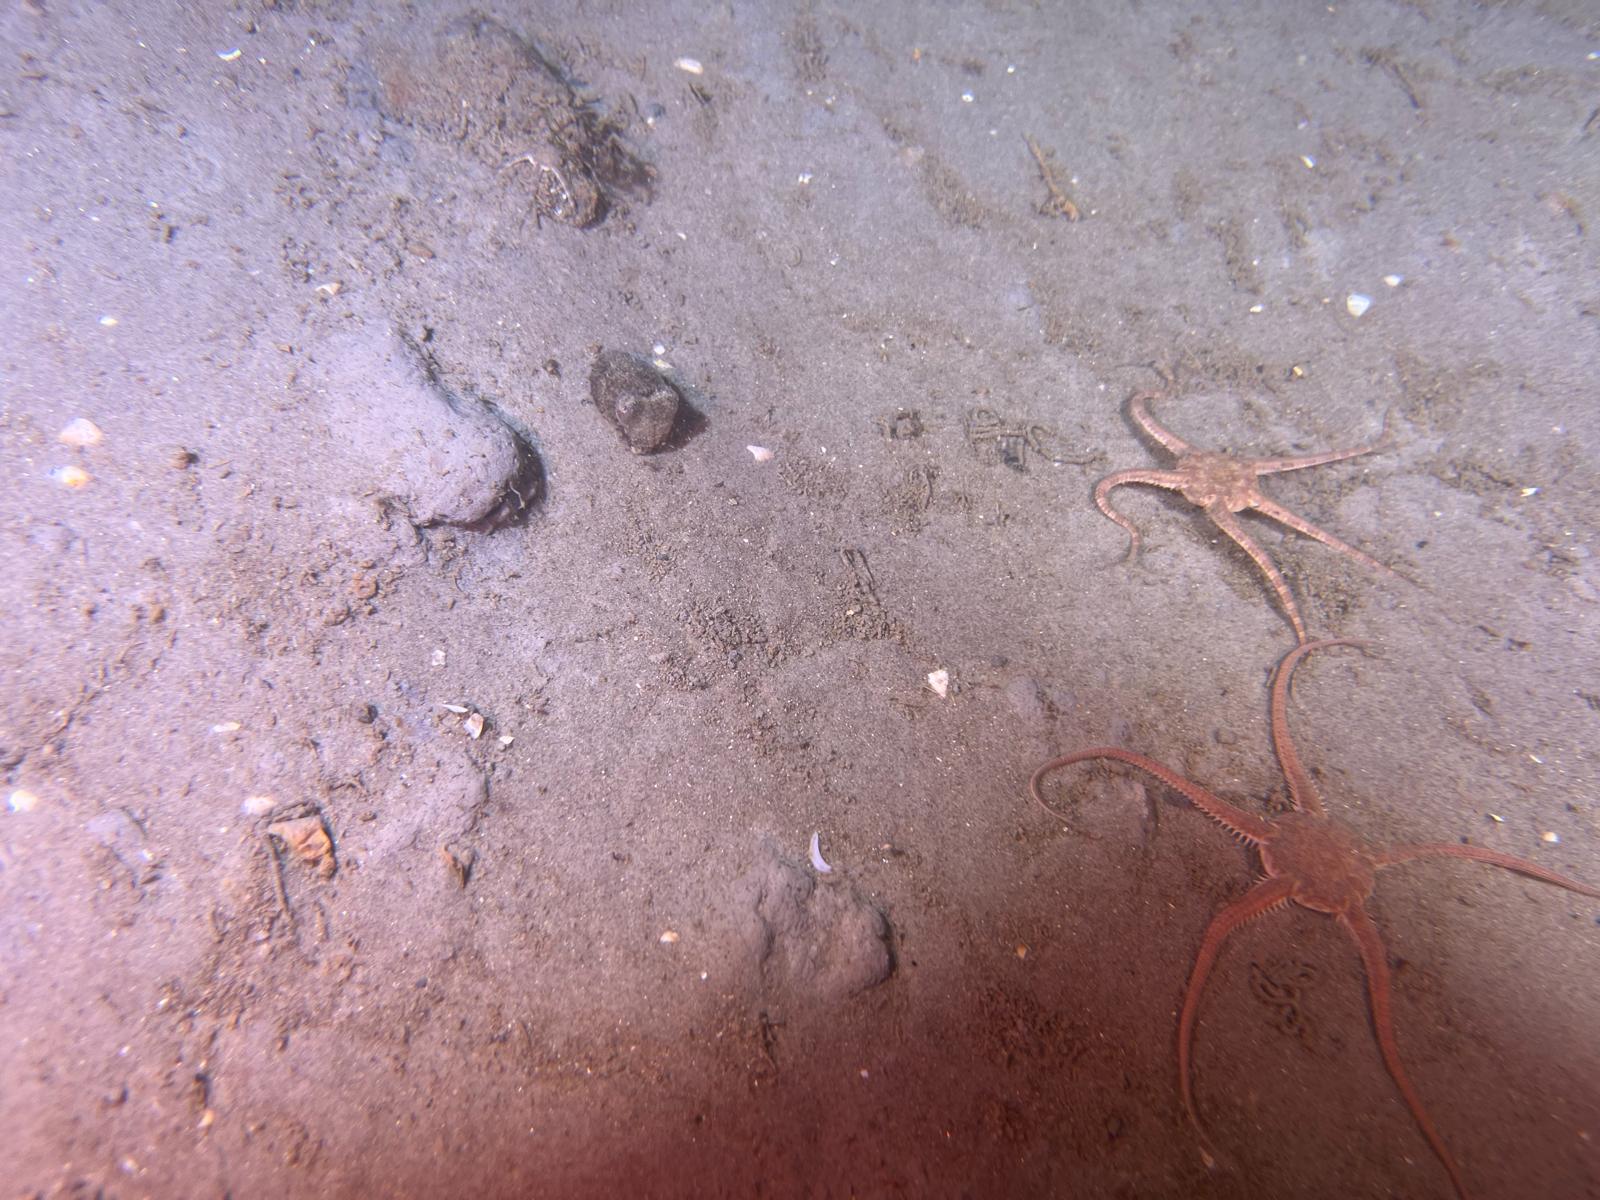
1318,863
1222,485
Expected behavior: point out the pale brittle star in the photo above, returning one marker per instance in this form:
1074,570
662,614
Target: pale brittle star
1318,863
1223,485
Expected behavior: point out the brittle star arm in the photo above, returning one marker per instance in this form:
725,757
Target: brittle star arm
1139,410
1102,490
1375,958
1283,516
1302,792
1409,852
1229,524
1261,899
1235,820
1276,466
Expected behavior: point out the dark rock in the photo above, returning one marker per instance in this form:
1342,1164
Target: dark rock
635,397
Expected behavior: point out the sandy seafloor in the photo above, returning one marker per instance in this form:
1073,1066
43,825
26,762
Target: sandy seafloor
688,662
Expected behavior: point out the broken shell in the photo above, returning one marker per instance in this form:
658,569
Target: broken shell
690,65
474,726
259,806
669,938
760,453
1356,304
23,801
939,681
817,861
1550,838
72,477
307,838
460,710
80,433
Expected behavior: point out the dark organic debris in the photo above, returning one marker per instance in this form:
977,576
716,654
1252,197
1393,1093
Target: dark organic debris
483,89
636,397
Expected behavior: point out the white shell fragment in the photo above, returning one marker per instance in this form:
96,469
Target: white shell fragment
939,681
669,938
1553,839
1355,304
259,806
1394,280
474,726
760,453
80,433
22,801
818,863
691,65
460,710
72,477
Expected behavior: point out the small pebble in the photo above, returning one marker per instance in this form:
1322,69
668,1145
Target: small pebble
22,801
1550,838
1356,304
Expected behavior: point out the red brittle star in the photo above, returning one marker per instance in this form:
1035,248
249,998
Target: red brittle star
1222,485
1311,860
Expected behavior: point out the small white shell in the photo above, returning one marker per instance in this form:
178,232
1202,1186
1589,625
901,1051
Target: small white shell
817,861
1550,838
72,477
23,800
79,433
474,726
691,65
760,453
259,806
1355,303
939,681
669,938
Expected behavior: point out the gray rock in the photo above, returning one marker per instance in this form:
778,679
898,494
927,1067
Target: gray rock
439,457
635,397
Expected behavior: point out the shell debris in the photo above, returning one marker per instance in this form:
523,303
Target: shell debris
79,433
818,863
1356,304
692,66
71,477
939,681
760,453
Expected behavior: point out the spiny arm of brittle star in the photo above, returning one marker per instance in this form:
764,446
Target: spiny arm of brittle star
1302,792
1229,524
1234,820
1411,851
1283,516
1139,410
1375,958
1276,466
1263,898
1103,489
